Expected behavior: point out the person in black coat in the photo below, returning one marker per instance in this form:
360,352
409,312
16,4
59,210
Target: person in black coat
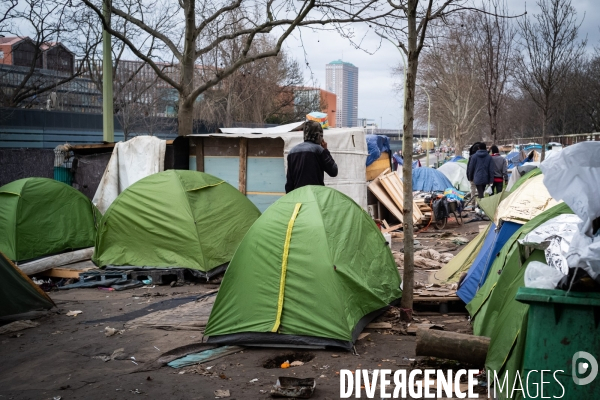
308,161
480,170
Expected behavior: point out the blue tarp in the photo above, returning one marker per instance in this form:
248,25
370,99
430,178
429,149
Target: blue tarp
456,158
377,144
429,180
493,243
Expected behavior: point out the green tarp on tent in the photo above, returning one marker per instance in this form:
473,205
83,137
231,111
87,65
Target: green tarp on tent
312,270
175,218
40,216
18,294
495,312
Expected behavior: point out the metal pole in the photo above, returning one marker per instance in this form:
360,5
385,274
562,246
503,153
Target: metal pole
428,121
108,129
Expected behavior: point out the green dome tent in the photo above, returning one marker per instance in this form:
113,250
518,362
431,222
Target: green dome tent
312,271
184,219
40,216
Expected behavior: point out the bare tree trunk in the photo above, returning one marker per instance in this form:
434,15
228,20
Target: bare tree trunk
408,278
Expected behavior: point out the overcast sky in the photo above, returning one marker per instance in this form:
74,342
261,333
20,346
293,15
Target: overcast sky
377,98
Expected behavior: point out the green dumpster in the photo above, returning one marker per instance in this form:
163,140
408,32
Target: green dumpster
563,337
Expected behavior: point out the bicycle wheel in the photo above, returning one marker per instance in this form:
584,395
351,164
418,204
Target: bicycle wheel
441,223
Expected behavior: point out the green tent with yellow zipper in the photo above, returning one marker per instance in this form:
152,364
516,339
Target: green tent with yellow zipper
175,219
312,271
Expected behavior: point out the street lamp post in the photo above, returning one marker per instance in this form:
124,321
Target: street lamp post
428,120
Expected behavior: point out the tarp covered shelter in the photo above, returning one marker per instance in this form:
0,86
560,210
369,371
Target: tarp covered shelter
376,145
495,312
40,217
457,175
18,294
456,159
429,180
313,270
175,218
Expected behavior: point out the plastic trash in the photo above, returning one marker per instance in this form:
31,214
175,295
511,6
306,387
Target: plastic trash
554,237
574,176
541,276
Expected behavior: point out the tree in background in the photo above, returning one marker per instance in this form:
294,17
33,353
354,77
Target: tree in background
451,73
195,34
552,49
51,22
495,53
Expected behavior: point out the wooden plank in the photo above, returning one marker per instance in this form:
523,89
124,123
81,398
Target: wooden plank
378,190
243,164
64,272
391,228
385,224
58,260
199,154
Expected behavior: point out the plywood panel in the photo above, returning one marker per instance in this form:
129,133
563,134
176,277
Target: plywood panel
226,168
216,146
263,201
265,147
265,175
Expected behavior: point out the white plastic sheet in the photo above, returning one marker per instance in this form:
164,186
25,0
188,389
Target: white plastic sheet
554,237
130,161
574,176
541,276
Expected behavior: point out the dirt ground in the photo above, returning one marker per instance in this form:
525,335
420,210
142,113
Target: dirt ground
62,357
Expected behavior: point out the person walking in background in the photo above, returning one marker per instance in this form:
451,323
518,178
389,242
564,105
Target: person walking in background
500,170
480,169
472,150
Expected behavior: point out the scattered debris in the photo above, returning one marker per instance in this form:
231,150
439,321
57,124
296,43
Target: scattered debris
296,363
294,387
379,325
285,364
74,313
108,331
17,326
104,358
220,393
254,380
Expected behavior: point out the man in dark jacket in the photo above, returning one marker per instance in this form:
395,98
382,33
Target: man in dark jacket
307,162
480,169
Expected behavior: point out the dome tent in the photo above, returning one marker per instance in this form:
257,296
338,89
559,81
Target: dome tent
429,180
457,175
312,271
41,216
184,219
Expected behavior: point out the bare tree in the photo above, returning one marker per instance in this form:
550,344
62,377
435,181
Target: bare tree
451,73
52,22
194,32
551,47
6,15
496,56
